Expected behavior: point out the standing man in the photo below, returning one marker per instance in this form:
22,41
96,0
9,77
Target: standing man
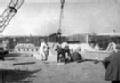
112,66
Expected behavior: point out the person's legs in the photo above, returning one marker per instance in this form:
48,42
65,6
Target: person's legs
58,57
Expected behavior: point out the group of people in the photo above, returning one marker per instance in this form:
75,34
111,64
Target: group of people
111,63
65,55
63,52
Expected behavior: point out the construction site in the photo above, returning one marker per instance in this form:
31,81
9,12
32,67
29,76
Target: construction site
90,28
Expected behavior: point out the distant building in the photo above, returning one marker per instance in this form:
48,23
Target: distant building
54,38
78,38
103,39
27,48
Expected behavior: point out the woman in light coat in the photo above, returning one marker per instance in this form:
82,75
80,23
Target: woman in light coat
44,50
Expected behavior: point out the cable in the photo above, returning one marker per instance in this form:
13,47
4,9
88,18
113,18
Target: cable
9,13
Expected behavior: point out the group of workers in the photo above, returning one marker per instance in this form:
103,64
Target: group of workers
64,54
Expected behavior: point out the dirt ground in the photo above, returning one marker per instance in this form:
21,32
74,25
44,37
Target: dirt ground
39,72
86,72
24,69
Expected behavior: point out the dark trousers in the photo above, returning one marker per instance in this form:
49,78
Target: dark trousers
115,82
60,57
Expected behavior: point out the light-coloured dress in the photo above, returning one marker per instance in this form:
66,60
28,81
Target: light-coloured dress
44,51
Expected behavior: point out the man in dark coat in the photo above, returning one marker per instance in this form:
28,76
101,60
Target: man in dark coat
112,66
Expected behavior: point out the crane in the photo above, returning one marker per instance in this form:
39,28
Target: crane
60,20
5,18
9,13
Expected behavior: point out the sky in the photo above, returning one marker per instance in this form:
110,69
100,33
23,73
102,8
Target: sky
41,17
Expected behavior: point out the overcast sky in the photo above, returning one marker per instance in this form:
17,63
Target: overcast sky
40,17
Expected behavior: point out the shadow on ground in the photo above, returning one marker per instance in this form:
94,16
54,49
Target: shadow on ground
17,76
